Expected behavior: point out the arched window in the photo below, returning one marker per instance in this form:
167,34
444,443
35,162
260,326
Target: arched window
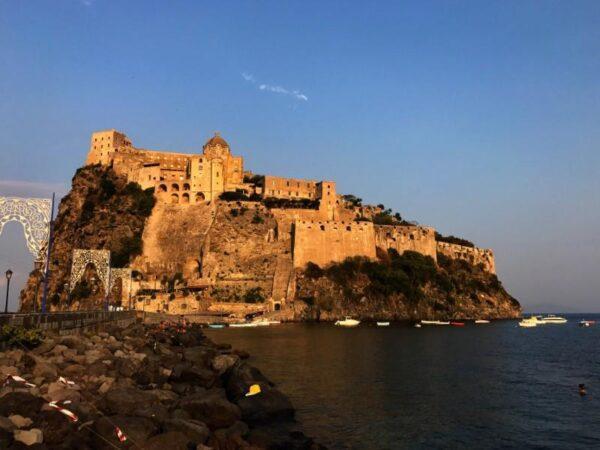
175,187
186,187
185,198
174,198
200,197
322,227
162,188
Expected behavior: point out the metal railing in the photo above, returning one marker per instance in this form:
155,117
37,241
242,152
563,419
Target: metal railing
69,320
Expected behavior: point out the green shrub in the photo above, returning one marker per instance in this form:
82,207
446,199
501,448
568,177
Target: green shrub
107,188
453,240
19,336
257,218
313,271
254,295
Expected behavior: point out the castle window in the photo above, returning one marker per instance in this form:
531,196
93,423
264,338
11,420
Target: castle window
322,227
348,228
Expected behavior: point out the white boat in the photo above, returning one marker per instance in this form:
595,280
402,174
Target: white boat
434,322
383,324
243,325
529,323
417,325
587,323
347,322
216,325
481,321
552,319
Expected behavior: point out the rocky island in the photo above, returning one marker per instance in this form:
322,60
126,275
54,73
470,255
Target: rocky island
162,386
197,234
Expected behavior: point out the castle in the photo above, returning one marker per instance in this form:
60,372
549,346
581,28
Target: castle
305,220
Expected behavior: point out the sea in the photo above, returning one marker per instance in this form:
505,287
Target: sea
478,386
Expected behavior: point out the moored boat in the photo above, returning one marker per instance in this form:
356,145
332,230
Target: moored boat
529,323
243,325
481,321
552,319
587,323
417,325
347,322
434,322
216,325
383,324
457,324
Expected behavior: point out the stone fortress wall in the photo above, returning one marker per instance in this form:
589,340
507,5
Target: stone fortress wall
324,242
473,255
402,238
178,235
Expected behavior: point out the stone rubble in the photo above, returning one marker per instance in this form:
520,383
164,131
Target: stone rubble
164,386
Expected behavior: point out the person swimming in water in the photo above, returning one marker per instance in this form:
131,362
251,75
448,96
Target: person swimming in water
582,389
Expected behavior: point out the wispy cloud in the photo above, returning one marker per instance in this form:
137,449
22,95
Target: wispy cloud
274,88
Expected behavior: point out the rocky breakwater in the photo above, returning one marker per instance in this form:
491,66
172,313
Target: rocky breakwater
150,387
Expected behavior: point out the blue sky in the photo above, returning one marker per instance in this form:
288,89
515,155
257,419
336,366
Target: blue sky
478,118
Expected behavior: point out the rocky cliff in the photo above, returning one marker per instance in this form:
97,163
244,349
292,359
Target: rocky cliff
410,286
102,211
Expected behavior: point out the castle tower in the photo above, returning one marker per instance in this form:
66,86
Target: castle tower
103,145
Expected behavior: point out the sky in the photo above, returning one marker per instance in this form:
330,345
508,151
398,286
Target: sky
477,118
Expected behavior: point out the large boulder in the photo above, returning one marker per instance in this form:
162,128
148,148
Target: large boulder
200,355
127,400
241,377
137,429
22,403
267,406
211,408
195,430
55,426
187,373
222,363
172,440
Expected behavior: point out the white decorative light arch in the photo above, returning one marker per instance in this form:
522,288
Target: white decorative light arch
34,214
99,258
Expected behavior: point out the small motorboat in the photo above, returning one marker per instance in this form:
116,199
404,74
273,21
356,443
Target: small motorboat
216,325
552,319
347,322
417,325
434,322
457,324
383,324
587,323
529,323
481,321
243,325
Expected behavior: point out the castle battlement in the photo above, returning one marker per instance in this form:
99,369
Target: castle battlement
473,255
406,237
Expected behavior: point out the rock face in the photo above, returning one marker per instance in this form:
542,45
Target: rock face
410,286
163,387
101,211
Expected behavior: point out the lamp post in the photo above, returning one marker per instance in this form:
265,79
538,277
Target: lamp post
8,277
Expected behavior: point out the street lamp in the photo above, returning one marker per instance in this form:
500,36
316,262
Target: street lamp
8,277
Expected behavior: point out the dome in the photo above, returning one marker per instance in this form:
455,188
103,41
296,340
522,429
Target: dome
216,140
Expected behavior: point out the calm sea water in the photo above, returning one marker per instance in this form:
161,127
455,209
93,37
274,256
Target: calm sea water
484,386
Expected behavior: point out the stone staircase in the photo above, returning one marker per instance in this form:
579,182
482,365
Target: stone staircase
282,280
